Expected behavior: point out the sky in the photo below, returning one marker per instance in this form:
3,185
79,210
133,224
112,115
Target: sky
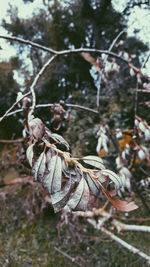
138,20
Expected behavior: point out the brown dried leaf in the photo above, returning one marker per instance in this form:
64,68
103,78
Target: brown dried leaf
90,59
112,176
120,204
36,128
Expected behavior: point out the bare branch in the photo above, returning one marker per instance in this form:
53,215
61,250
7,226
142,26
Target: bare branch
49,105
120,241
66,255
36,81
27,42
113,44
126,245
31,89
63,52
127,227
14,104
143,90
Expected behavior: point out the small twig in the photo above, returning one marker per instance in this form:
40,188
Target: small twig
20,140
16,181
93,213
130,227
13,105
145,61
27,42
104,62
50,105
31,89
113,44
143,90
67,256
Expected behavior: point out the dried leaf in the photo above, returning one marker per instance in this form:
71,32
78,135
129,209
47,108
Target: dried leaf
77,195
48,178
36,128
48,159
39,167
57,177
112,176
90,59
93,185
94,161
29,154
120,204
59,199
84,201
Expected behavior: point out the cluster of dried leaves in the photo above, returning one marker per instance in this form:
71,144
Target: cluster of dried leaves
71,185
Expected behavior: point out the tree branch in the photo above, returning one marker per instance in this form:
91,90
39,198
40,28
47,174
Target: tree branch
35,81
27,42
13,105
120,241
130,227
126,245
49,105
63,52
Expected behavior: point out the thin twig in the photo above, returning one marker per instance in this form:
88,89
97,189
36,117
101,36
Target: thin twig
67,256
55,53
27,42
17,181
31,89
49,105
13,105
104,62
113,44
20,140
145,61
143,90
130,227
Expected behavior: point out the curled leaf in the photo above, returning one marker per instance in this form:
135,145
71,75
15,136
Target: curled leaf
29,154
112,176
94,161
120,204
39,167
